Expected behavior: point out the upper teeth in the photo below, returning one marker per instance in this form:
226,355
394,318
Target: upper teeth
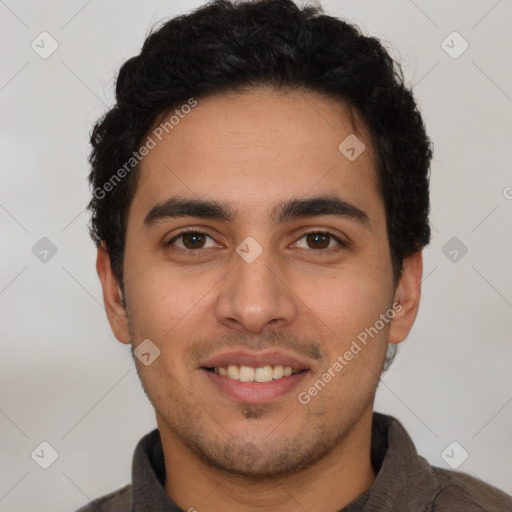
248,374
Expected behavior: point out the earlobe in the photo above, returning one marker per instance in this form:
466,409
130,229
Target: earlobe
407,295
112,295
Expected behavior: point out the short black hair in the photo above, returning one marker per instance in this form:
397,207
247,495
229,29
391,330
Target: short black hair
228,47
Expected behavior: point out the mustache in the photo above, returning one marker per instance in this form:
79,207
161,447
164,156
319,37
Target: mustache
201,349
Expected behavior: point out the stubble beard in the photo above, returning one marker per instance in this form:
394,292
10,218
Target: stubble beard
251,459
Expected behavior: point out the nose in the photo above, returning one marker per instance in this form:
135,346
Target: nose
256,294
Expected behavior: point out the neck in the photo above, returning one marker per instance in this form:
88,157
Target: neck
331,484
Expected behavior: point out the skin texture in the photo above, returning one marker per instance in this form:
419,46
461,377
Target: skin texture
253,150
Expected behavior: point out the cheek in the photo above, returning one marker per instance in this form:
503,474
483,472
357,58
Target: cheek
348,303
165,301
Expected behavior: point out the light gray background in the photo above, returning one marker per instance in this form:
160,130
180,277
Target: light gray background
64,377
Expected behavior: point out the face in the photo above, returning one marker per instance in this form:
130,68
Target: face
284,263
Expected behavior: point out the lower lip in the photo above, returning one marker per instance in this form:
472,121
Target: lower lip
255,392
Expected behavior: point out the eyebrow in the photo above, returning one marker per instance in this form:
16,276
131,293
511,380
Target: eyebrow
176,207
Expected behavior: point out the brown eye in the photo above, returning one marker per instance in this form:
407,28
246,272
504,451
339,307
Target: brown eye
189,240
193,240
319,240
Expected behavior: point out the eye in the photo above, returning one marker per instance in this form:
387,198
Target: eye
320,240
195,240
190,240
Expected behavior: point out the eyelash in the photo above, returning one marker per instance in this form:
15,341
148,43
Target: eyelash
342,244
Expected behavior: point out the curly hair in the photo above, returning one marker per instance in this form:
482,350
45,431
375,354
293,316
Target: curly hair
227,47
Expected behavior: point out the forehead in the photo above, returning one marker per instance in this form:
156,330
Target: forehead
256,148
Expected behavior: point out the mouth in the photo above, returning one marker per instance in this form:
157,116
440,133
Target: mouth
254,378
264,373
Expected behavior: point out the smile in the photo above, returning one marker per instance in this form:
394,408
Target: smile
264,373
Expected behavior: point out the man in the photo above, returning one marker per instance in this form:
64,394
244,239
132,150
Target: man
260,204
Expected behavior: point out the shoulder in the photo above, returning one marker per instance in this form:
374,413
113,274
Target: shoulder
117,501
464,493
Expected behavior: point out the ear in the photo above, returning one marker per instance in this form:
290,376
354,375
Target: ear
407,295
112,296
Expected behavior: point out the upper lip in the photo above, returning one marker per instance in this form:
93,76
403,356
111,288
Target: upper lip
254,360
